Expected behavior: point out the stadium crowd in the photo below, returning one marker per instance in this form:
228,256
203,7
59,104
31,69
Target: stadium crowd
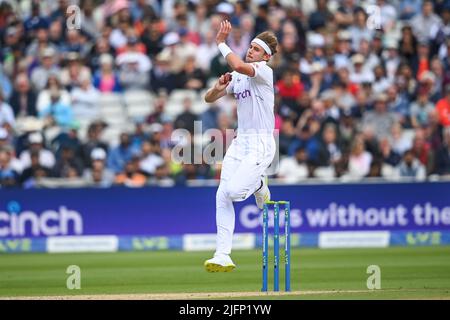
362,87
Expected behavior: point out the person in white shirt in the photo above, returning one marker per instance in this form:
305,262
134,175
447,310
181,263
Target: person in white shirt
46,157
85,99
253,149
294,169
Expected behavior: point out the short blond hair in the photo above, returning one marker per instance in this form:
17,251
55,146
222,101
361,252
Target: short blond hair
270,39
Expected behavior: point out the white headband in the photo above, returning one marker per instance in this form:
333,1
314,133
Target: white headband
263,45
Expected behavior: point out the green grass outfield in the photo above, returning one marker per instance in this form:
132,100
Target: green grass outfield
406,272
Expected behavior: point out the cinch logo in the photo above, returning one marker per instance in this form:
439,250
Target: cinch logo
48,223
243,95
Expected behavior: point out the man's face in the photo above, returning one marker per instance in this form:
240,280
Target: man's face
427,8
256,53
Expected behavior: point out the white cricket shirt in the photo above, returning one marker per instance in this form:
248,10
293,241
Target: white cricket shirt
255,99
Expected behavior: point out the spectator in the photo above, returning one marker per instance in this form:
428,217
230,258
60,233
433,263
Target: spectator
6,113
344,13
388,156
89,26
6,144
68,165
422,150
398,105
85,100
206,52
152,37
57,112
8,176
286,136
359,160
380,120
5,84
158,115
133,45
98,175
443,108
409,8
178,48
134,68
150,157
40,40
411,167
101,48
53,84
186,119
408,45
118,36
68,138
209,117
191,77
162,176
161,77
360,75
34,171
294,169
218,66
290,87
425,21
48,65
329,149
420,110
106,79
238,41
358,29
319,18
74,73
140,134
360,107
388,15
121,154
399,140
92,142
36,145
23,99
442,159
391,58
130,176
35,20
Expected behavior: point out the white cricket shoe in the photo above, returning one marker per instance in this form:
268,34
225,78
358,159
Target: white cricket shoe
220,263
263,194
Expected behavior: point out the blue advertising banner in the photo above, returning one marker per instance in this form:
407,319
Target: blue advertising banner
176,211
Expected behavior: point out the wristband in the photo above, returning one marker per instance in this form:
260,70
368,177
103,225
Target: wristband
224,49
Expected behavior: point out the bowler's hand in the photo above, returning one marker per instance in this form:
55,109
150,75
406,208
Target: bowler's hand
224,31
223,81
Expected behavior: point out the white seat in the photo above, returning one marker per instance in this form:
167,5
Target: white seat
107,99
173,109
137,110
178,95
198,107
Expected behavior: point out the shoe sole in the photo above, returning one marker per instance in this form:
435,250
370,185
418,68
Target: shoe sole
214,267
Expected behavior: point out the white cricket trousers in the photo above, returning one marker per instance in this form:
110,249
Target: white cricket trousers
245,162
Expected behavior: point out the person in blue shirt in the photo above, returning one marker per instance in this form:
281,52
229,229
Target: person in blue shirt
121,154
57,112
